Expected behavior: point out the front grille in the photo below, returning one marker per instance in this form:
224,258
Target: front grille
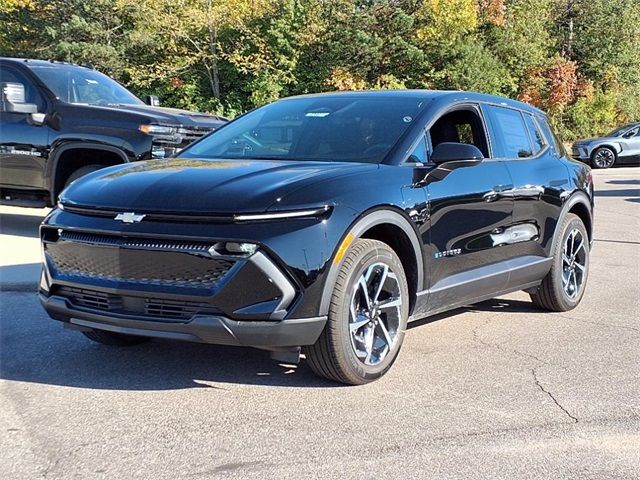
190,134
114,261
130,242
133,305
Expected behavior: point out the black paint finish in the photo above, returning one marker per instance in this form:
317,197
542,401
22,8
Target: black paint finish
479,228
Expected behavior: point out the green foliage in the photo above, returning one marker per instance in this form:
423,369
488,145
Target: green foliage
577,59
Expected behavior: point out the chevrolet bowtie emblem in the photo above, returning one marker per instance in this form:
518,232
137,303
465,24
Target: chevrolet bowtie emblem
129,217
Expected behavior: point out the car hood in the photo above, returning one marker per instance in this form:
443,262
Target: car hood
588,141
168,116
193,186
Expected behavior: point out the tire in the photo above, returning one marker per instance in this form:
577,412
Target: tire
557,292
603,157
81,172
367,353
114,339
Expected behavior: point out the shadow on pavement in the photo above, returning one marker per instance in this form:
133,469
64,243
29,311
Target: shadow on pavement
624,182
630,192
23,277
37,349
20,225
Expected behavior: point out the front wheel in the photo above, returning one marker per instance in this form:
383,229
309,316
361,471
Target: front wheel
563,287
603,157
367,316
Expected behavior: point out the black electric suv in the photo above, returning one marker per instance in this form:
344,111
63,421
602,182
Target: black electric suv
324,222
59,121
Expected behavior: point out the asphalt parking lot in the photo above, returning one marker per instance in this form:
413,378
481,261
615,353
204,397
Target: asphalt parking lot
495,390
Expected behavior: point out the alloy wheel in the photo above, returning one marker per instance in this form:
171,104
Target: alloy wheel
604,158
574,257
375,314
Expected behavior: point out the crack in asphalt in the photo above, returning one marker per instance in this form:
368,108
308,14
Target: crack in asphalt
554,399
534,374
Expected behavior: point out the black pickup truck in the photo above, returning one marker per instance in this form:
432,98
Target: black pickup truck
59,121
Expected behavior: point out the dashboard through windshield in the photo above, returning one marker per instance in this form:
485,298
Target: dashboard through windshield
329,128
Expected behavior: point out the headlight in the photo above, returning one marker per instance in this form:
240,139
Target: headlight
157,129
311,213
160,150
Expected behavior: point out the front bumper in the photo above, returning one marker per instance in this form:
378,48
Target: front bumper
214,329
581,154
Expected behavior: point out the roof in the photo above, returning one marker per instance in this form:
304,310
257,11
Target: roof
443,96
39,63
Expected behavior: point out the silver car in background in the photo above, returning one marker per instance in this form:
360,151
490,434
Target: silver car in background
620,147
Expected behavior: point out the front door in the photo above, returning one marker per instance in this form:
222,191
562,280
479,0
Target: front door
467,213
23,145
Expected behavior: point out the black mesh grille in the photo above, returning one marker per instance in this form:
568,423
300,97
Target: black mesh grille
121,260
141,306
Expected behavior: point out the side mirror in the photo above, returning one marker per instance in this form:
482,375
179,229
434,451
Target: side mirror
12,99
452,152
152,100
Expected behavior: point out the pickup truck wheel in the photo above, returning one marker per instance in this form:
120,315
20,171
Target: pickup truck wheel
563,287
114,339
81,172
603,157
367,316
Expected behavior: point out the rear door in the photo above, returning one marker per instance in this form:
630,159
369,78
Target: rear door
532,155
23,146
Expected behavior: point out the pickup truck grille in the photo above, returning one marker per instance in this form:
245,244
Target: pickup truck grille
190,134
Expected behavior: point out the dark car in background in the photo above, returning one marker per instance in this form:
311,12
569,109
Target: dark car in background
59,121
619,147
324,222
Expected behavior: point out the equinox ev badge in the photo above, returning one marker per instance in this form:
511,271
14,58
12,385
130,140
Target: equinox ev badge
129,217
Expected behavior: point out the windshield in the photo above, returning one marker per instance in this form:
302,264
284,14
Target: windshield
620,130
344,128
81,85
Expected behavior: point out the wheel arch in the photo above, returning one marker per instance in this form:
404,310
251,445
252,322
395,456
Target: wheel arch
579,204
108,155
389,225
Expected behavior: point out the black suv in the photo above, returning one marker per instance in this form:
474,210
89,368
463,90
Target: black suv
325,222
60,121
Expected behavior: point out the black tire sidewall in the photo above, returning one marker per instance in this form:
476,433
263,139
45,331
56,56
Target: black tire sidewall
571,222
382,254
595,152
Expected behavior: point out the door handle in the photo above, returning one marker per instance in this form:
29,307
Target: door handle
498,192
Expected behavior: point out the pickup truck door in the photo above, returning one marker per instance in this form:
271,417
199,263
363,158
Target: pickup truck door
23,145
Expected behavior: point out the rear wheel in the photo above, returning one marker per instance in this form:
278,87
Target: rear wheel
603,157
115,339
367,316
563,287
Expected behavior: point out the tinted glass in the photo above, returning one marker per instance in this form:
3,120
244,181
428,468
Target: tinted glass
534,133
419,153
551,137
83,86
510,132
325,128
31,94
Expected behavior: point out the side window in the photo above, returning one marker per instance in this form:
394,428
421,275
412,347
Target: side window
31,94
511,134
419,153
552,138
460,126
534,133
